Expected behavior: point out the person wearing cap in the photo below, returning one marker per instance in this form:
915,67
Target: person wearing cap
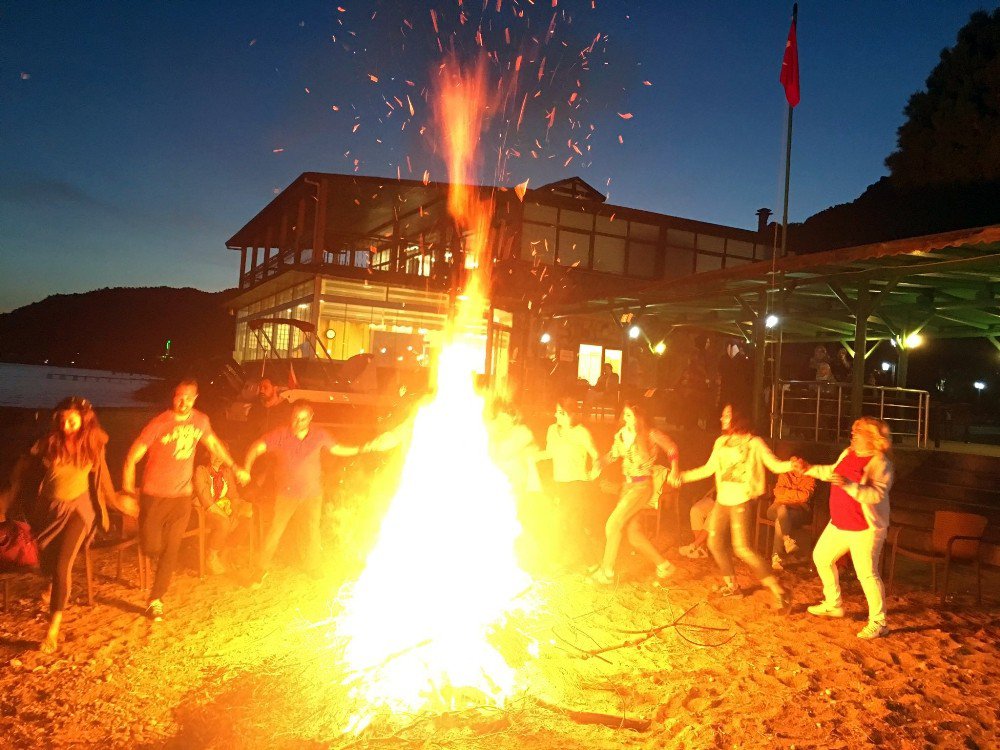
71,499
168,444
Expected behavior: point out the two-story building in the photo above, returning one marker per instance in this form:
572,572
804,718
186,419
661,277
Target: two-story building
373,263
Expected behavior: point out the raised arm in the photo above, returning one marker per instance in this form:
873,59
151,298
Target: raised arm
135,455
701,472
257,449
824,472
771,461
875,485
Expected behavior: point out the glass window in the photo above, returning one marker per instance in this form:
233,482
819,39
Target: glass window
639,231
538,242
739,248
574,249
709,262
609,254
612,225
711,243
576,219
677,262
732,261
589,363
680,238
541,214
641,259
503,318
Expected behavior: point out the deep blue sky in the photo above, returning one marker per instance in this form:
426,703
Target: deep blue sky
137,137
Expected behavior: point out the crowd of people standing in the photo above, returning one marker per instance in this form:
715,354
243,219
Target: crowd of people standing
72,493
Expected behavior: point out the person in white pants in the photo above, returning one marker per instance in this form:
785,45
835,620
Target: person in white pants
859,518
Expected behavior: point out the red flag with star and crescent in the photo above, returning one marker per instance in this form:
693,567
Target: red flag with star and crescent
790,68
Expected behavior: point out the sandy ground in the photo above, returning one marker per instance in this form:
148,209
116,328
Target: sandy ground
235,668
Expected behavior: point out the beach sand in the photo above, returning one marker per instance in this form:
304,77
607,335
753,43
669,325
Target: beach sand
234,668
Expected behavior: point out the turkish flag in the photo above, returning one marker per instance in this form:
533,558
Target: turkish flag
790,68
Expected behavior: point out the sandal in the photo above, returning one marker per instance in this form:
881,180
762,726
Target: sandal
728,590
602,578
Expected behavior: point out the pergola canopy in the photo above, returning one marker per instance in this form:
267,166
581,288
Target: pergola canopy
943,285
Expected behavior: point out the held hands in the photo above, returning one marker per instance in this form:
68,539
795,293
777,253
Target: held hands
675,479
242,475
838,481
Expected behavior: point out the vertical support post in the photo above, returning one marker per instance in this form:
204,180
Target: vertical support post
759,355
902,365
861,310
319,222
243,266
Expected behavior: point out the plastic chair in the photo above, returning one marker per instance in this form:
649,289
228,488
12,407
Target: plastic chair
144,564
955,538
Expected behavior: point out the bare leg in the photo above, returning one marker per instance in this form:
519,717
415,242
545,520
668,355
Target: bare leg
51,640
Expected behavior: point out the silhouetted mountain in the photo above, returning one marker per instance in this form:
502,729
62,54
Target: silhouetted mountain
887,211
120,329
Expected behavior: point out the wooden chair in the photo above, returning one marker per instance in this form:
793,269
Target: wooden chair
762,536
7,576
955,538
145,577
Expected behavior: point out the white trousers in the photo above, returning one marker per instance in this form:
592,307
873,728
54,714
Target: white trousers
865,548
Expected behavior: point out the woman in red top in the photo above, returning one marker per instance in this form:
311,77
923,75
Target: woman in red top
859,517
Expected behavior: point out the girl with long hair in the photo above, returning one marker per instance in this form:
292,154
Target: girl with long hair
859,518
738,460
635,445
74,493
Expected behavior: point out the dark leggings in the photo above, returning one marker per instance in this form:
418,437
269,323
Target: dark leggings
68,544
736,518
162,523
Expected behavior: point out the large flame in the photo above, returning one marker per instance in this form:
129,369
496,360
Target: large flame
443,571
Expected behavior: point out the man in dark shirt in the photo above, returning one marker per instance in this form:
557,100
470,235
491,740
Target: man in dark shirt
297,449
168,444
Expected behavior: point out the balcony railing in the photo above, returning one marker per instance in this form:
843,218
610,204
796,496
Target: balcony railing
809,410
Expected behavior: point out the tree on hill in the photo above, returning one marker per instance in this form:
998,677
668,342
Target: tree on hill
945,173
952,131
120,329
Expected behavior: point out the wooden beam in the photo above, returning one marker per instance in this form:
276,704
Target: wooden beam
860,345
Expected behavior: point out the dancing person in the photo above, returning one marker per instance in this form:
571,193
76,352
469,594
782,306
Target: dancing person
297,449
635,445
860,481
738,460
699,514
72,498
168,444
568,444
227,514
790,511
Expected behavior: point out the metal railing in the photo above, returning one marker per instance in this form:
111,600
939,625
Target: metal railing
821,412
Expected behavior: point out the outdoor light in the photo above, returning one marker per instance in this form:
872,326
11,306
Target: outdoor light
771,321
546,337
660,348
634,332
913,340
979,385
886,367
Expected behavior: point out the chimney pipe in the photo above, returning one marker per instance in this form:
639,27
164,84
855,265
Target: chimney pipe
763,214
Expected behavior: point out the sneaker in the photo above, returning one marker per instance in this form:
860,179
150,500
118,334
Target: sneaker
699,553
873,630
728,590
257,580
665,569
154,610
776,562
687,550
825,610
783,602
791,546
215,566
602,578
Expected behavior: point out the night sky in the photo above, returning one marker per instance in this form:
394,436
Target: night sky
137,137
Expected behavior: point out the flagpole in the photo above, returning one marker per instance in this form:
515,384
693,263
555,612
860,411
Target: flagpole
776,359
788,156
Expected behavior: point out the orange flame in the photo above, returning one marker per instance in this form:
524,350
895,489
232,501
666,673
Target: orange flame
443,572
